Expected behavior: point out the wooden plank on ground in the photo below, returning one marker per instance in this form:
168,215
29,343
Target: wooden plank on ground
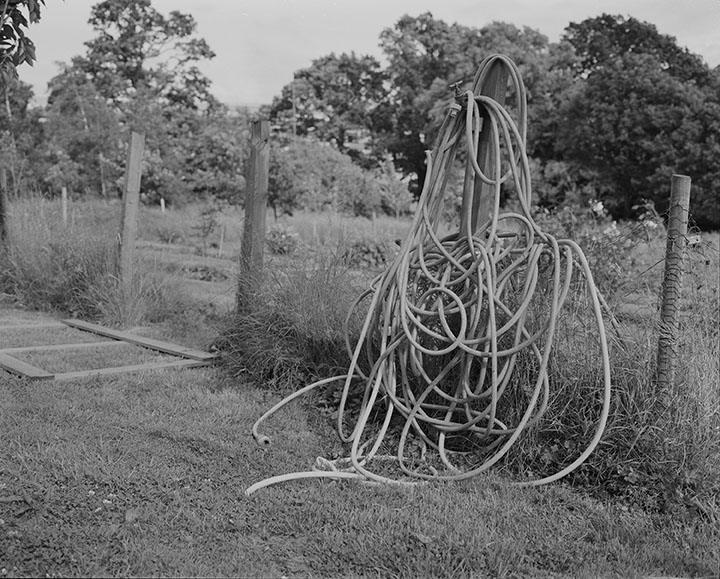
149,343
185,363
32,326
20,368
53,347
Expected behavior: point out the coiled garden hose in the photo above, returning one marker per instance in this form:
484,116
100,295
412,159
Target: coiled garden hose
452,319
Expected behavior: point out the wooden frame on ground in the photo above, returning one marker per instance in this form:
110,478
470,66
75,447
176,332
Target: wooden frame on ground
187,357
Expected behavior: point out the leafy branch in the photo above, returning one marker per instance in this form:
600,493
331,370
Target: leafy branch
16,47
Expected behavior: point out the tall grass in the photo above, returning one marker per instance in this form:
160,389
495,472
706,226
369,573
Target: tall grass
293,331
70,267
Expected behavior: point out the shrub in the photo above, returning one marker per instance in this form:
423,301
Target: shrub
315,176
368,253
281,240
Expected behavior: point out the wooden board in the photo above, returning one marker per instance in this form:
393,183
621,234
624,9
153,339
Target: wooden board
52,347
149,343
185,363
20,368
32,326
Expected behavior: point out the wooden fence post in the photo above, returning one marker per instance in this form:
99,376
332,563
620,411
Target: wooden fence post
131,200
63,205
672,281
4,209
483,196
251,251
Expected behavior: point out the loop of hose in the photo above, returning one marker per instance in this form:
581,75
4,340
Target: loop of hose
448,321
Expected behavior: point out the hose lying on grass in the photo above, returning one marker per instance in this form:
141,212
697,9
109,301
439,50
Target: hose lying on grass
461,327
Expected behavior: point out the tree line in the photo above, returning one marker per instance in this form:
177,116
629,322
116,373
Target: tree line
614,108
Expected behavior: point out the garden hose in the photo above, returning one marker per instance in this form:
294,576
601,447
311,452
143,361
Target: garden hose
452,358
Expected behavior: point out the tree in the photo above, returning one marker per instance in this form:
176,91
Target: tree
16,47
307,174
418,51
426,55
601,40
21,134
141,73
334,100
638,117
83,133
138,49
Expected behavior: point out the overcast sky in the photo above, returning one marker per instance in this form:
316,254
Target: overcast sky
260,43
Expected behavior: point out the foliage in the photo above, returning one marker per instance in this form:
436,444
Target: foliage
21,136
335,101
125,56
395,198
58,276
16,47
426,55
82,133
638,458
141,73
645,109
614,108
601,40
208,221
282,240
309,175
645,501
368,252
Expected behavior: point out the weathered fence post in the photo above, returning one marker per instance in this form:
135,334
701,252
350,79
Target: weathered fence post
4,209
672,281
63,205
483,194
251,251
131,200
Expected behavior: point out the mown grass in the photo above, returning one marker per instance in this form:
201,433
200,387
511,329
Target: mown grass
144,475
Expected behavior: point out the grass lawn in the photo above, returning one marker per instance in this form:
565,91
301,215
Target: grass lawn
144,474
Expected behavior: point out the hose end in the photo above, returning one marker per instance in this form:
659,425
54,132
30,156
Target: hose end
262,440
455,108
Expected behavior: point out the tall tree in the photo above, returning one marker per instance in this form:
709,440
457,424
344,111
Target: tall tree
418,51
83,133
139,49
21,134
143,68
426,55
334,100
601,40
639,116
